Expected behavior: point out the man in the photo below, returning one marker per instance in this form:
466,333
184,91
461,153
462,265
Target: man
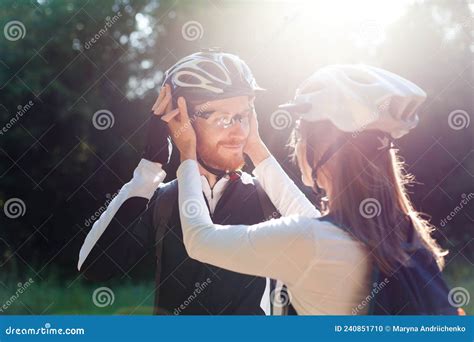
219,89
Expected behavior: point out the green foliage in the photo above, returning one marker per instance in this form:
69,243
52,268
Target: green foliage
57,296
62,166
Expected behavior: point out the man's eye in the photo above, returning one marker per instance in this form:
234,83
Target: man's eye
226,120
216,116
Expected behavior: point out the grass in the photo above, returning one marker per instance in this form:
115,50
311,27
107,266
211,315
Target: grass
462,276
68,297
61,298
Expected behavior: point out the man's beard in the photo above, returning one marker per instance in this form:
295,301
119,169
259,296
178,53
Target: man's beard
215,160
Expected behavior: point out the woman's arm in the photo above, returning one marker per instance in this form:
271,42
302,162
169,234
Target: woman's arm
280,249
282,191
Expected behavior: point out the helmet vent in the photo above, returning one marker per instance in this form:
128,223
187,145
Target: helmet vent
188,78
311,88
359,76
212,69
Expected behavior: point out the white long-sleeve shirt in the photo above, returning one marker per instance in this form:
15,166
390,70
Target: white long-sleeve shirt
325,270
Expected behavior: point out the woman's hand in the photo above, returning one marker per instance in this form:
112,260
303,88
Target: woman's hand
255,147
182,131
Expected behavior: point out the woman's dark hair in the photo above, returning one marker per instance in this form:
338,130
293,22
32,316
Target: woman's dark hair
368,193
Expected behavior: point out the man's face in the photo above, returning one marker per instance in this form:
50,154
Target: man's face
222,136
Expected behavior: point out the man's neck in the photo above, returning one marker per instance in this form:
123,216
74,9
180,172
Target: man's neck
211,178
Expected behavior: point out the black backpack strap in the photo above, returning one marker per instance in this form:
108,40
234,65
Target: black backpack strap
276,287
166,201
375,280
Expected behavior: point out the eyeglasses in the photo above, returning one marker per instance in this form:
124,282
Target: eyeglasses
226,120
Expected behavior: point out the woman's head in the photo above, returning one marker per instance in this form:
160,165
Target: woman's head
349,115
366,188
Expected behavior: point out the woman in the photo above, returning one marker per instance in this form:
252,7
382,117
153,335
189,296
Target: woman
349,116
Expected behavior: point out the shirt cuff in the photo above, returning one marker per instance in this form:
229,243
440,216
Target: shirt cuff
150,170
187,166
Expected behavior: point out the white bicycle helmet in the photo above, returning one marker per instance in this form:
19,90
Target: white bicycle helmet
359,97
211,75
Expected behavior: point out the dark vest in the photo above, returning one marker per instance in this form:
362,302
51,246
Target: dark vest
190,287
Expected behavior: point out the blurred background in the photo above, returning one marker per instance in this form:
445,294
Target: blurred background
78,79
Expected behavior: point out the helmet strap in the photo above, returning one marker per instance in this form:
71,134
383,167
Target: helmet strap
218,173
321,196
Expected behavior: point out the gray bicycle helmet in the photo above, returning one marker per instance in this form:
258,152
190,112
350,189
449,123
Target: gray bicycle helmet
211,75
